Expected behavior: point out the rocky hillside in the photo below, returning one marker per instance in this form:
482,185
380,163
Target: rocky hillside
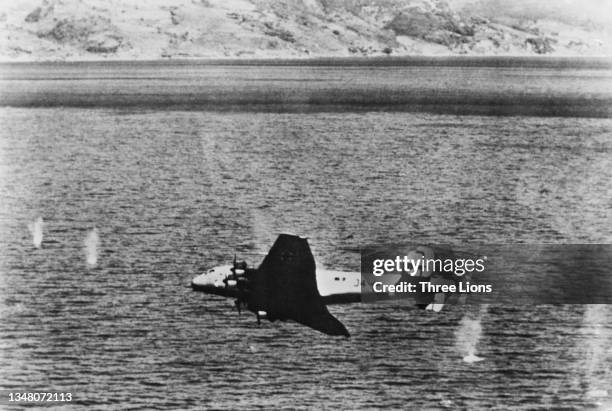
153,29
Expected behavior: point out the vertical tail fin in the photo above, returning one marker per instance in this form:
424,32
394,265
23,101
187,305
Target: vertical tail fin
285,287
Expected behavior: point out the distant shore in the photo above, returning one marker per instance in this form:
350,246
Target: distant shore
256,30
583,62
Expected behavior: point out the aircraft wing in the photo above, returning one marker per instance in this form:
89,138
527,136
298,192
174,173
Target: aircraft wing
285,287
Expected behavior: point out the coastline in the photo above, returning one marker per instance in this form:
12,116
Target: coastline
594,61
238,30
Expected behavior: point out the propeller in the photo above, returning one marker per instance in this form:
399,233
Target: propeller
239,278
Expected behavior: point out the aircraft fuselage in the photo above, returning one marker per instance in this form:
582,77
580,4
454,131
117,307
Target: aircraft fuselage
335,287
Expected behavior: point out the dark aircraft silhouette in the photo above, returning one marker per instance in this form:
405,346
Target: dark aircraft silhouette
283,287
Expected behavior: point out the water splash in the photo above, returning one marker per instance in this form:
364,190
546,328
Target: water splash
91,247
469,333
36,229
472,358
262,231
596,345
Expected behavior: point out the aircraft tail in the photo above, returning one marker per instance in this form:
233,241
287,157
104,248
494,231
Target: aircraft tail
285,287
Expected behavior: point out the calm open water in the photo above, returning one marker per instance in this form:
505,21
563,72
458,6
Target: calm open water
173,189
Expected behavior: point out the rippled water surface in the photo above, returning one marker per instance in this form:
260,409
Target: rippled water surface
171,192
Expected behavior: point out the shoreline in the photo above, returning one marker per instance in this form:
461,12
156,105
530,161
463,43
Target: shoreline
604,62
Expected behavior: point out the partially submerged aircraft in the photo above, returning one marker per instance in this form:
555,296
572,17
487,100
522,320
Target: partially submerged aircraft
287,286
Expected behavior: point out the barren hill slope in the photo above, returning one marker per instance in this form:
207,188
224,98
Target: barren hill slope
133,29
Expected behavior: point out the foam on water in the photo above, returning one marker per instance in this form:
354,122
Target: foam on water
36,229
91,247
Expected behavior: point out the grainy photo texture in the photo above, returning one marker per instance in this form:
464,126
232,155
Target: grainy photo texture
305,204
